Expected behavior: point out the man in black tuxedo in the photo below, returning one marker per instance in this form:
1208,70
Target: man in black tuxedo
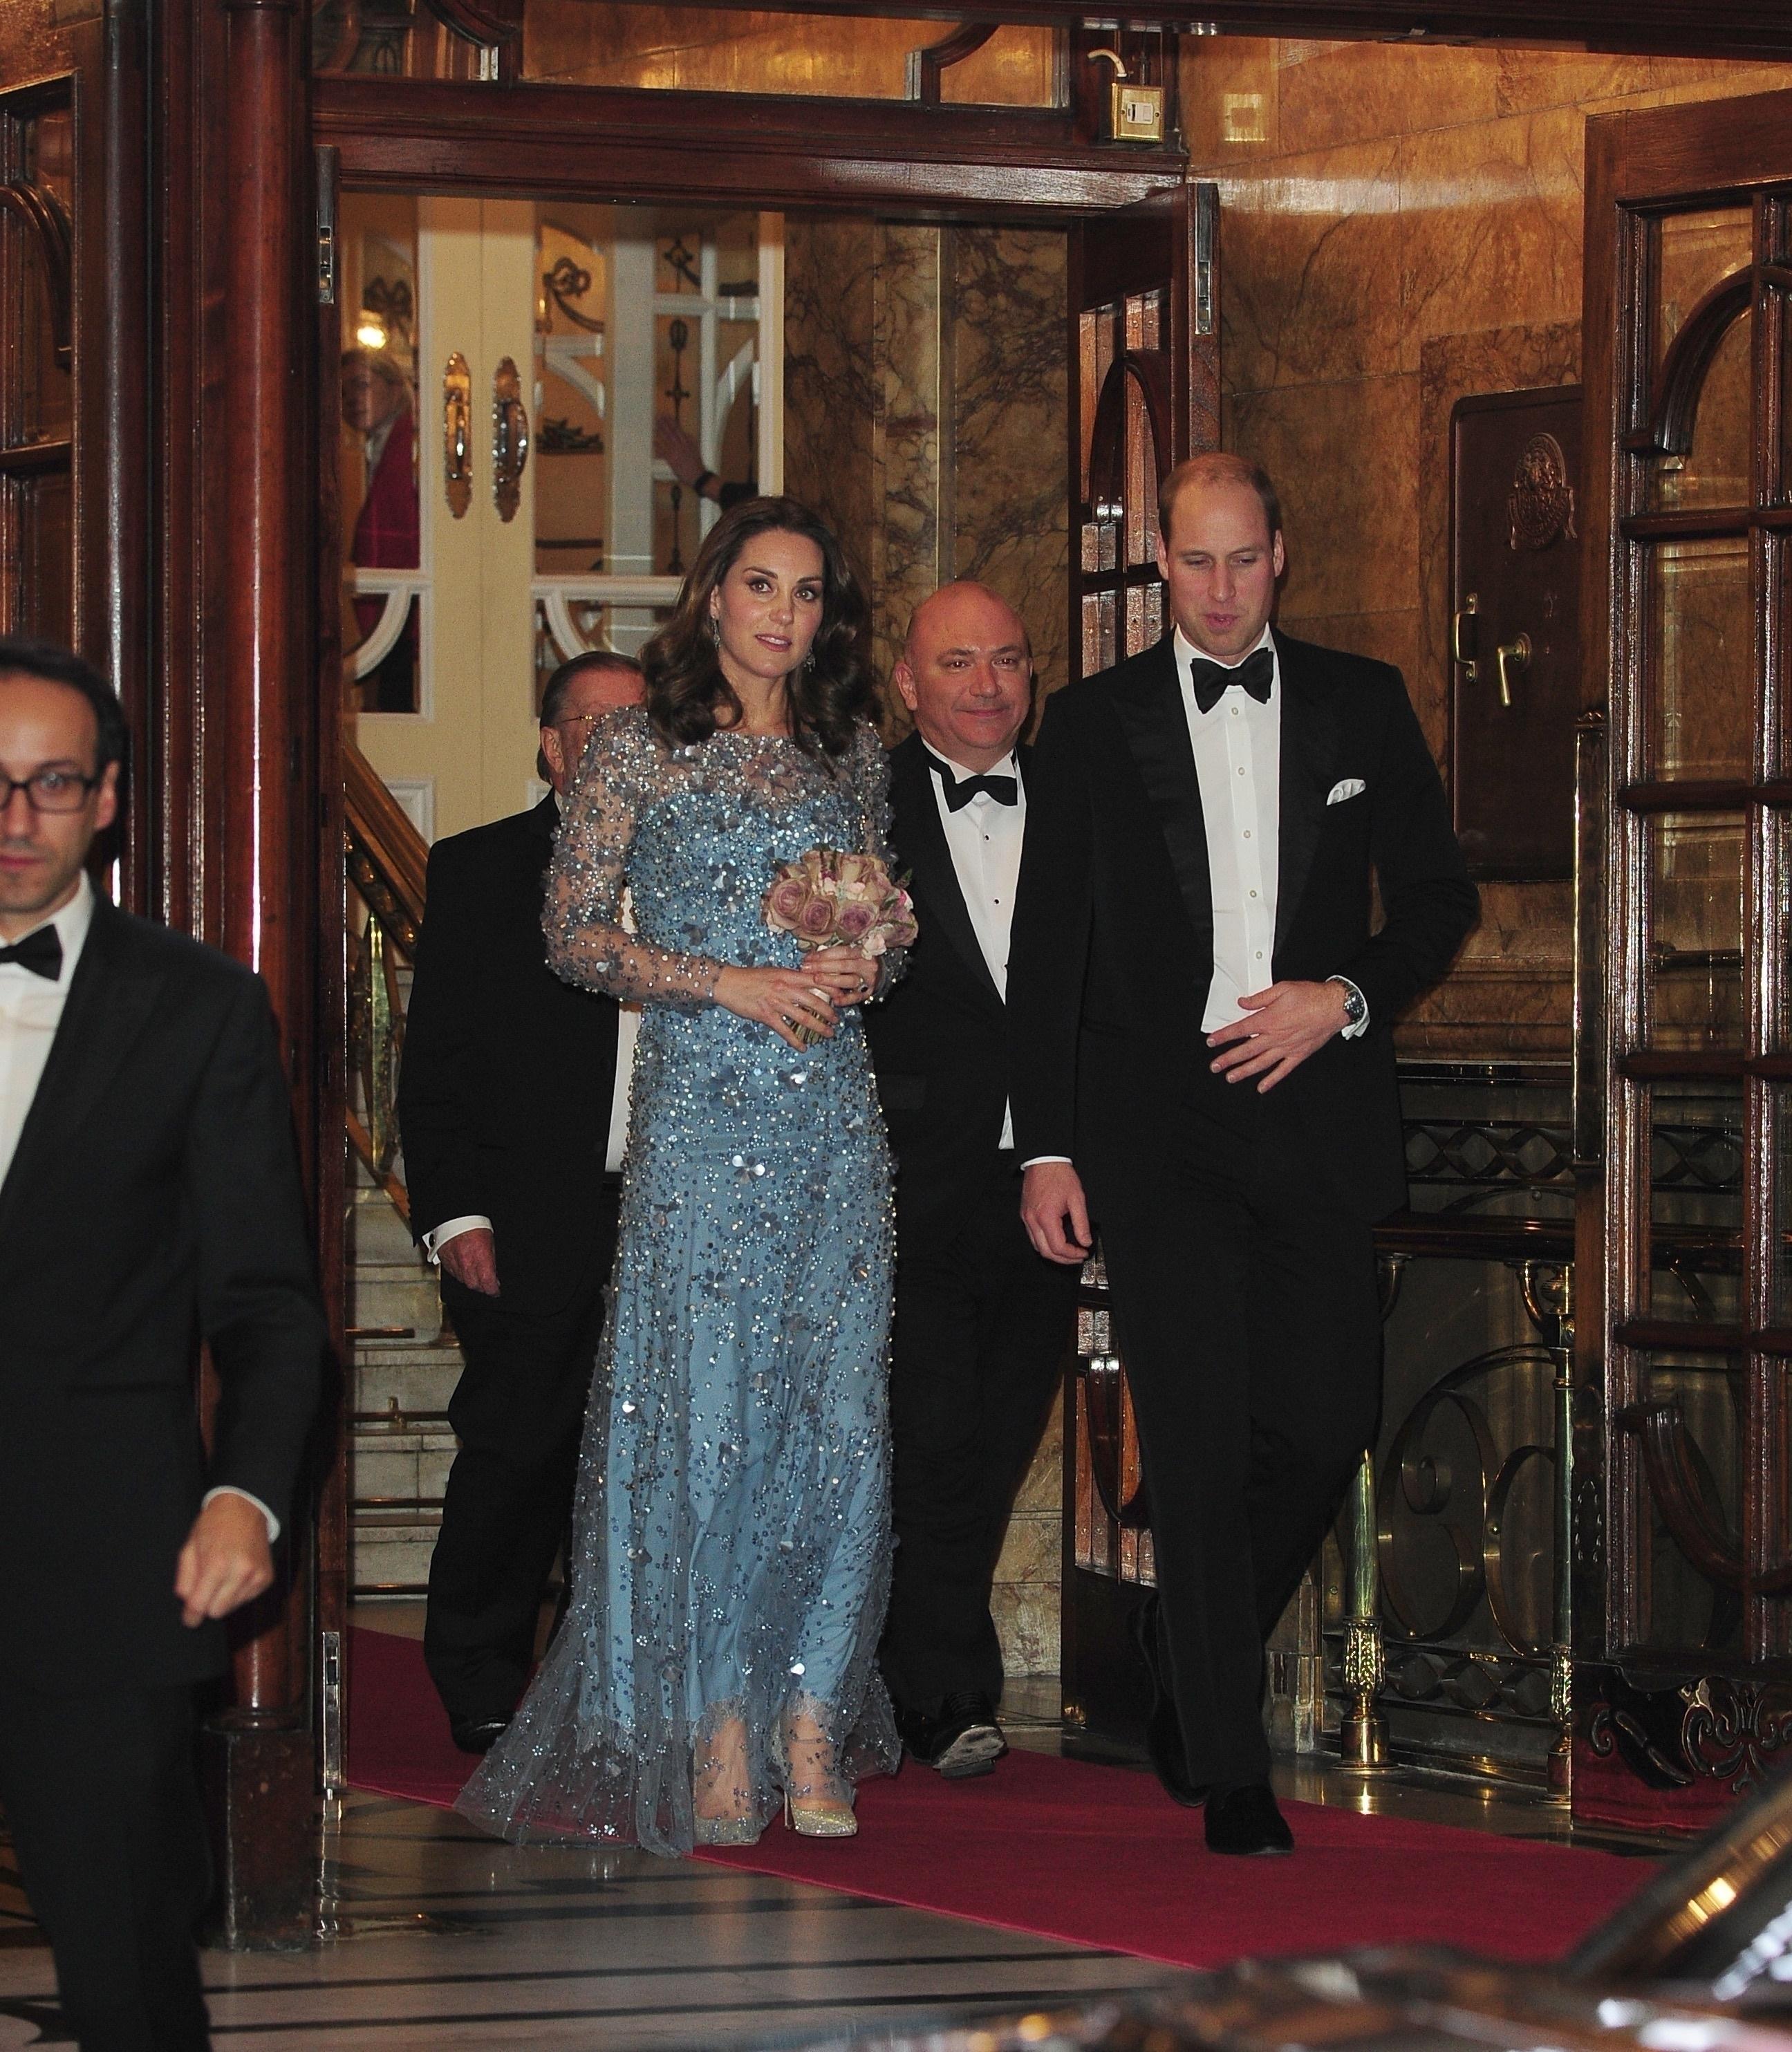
1204,1068
149,1196
981,1321
507,1101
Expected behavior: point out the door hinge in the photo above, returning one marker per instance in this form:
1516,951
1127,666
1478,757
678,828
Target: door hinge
1206,237
327,161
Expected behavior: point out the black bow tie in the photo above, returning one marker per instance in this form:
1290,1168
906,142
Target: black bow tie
1255,674
1004,790
41,952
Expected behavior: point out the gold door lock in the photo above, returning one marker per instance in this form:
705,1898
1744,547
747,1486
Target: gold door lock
1134,112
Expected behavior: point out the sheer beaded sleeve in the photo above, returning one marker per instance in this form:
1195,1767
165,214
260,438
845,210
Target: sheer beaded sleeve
623,770
868,766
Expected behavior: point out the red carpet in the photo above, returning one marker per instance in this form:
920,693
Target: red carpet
1097,1855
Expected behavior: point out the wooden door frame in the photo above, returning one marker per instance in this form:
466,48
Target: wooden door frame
1660,159
1760,29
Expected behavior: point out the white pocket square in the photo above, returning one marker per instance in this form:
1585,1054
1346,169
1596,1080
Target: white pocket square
1352,787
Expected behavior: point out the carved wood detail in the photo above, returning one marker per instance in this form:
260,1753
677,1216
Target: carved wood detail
38,211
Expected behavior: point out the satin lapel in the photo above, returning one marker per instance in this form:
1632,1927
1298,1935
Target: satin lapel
922,842
1309,747
1155,724
108,1001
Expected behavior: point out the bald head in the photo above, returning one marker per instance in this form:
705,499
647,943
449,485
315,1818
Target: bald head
966,673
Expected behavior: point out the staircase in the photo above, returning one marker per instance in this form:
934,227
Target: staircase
404,1364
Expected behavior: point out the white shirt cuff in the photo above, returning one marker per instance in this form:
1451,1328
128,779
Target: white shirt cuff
1034,1162
1362,1026
439,1236
225,1488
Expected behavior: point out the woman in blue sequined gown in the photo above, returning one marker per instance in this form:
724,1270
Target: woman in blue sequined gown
730,1555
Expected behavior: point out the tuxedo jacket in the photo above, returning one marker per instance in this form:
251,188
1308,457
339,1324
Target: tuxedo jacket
508,1074
940,1040
153,1201
1113,943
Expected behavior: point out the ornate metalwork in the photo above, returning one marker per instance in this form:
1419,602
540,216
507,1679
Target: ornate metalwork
568,281
1730,1733
560,437
1363,1736
1542,504
510,439
678,335
457,433
391,305
1478,1155
1714,1729
682,263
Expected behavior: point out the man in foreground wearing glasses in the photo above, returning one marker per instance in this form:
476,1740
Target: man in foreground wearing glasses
149,1196
511,1104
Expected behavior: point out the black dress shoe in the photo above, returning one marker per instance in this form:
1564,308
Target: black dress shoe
1247,1821
477,1734
961,1740
1169,1757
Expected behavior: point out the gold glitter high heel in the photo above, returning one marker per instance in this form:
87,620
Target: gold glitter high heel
812,1816
725,1831
815,1817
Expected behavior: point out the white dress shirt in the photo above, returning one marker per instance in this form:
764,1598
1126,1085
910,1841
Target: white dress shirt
30,1012
31,1009
1238,761
1237,764
983,838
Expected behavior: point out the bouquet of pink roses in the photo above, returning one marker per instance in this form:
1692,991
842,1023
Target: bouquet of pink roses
828,898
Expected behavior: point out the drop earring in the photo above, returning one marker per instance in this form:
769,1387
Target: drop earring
715,630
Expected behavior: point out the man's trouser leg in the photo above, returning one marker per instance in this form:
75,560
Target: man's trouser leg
102,1805
517,1411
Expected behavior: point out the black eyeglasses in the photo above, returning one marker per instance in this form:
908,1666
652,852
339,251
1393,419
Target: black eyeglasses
48,790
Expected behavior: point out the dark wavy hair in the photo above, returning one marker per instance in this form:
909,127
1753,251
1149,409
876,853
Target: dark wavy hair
688,698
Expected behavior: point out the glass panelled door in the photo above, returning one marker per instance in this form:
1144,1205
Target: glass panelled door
1697,1538
505,366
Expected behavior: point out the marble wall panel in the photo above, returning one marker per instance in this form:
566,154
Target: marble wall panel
1345,458
1312,268
909,354
829,395
1009,508
1349,92
1492,220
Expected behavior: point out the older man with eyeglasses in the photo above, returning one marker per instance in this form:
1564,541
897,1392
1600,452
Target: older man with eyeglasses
511,1104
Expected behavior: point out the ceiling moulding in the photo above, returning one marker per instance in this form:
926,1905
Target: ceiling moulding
1756,29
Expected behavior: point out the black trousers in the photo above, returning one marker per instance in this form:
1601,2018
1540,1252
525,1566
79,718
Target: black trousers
101,1796
1244,1289
981,1329
517,1411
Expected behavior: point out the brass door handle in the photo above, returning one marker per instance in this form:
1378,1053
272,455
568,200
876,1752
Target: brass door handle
457,429
1512,656
510,439
1471,608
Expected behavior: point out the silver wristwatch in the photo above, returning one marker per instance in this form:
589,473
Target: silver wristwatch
1356,1005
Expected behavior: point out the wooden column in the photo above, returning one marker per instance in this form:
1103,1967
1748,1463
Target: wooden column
259,699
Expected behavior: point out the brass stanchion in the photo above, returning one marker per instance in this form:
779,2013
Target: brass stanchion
1551,1304
1363,1734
